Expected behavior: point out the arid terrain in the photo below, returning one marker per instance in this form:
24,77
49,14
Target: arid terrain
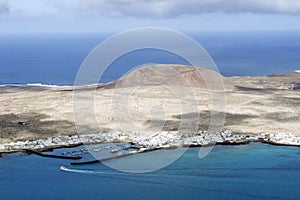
156,97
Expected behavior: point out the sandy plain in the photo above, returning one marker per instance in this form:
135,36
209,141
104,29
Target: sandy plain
158,97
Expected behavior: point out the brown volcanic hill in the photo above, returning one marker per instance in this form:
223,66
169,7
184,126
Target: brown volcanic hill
171,74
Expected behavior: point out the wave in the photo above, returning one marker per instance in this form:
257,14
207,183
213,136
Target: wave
43,85
30,85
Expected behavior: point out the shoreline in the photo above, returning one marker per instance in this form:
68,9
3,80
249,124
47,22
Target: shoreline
40,84
161,140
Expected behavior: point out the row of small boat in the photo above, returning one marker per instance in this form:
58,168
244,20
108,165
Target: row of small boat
97,149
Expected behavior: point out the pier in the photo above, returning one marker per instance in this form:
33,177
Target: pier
52,156
106,159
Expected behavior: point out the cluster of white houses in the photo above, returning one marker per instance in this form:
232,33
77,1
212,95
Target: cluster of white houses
152,140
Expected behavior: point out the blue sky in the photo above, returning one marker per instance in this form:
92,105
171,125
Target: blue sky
20,16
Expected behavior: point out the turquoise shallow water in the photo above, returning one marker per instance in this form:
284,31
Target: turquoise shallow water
254,171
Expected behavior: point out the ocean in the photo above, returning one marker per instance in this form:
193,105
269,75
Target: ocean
252,171
55,58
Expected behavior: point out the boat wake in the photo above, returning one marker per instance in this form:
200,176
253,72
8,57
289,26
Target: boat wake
86,171
63,168
118,176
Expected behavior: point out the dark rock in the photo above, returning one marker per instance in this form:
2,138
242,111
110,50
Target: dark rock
296,86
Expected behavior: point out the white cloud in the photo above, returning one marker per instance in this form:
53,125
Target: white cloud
4,7
178,8
147,8
99,15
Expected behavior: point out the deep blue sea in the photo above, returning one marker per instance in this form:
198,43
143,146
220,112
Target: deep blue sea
55,58
253,171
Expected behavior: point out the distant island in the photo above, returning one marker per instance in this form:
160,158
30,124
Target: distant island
264,108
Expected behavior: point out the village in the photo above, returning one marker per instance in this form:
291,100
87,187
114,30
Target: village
152,140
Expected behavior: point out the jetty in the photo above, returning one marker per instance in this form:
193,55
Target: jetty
108,158
52,156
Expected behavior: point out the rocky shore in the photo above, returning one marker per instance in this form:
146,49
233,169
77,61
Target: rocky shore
151,141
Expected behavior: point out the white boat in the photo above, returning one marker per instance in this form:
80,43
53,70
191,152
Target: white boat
63,168
125,147
114,150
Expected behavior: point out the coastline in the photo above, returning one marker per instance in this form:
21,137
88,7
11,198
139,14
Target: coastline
161,140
